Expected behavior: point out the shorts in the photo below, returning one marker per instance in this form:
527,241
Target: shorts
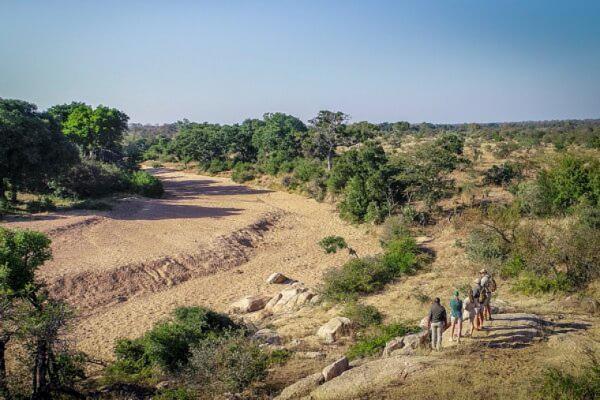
487,300
457,319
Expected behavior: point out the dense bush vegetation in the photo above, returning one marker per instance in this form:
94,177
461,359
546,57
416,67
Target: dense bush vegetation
71,150
373,341
560,385
368,275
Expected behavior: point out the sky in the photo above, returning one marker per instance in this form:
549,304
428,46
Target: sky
223,61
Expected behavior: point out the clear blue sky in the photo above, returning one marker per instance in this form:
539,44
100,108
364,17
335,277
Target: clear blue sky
223,61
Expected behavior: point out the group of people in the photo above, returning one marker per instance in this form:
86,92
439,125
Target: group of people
476,305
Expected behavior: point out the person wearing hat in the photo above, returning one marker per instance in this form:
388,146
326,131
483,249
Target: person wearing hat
456,311
476,291
486,279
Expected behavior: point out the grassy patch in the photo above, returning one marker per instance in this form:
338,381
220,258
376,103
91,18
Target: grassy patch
373,341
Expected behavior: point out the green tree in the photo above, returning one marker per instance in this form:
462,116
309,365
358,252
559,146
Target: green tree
98,132
21,253
278,138
32,151
329,132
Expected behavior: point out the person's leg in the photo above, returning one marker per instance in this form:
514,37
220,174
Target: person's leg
459,321
453,323
433,335
439,338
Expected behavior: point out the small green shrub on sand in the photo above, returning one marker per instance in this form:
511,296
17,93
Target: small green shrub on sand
373,342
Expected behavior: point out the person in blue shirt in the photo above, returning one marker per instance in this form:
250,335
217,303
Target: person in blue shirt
456,312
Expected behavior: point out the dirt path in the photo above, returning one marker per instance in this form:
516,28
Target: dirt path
207,242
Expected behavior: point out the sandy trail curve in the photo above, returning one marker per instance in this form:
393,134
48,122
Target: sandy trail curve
208,242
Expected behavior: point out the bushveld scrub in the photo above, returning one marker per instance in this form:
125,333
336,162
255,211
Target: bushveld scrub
362,315
147,185
373,341
362,276
557,384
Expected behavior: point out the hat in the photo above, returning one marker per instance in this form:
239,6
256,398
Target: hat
483,271
456,292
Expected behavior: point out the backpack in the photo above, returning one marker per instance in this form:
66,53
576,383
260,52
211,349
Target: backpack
492,284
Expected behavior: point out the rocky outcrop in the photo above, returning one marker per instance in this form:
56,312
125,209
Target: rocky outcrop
369,378
334,329
249,304
277,278
407,344
267,336
335,369
290,298
301,388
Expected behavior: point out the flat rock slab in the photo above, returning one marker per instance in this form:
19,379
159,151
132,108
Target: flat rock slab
370,377
515,330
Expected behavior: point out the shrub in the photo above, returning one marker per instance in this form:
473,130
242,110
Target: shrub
93,179
45,204
217,165
393,228
356,277
167,345
226,364
279,356
400,256
362,315
560,385
307,170
331,244
531,284
501,174
513,267
243,172
486,246
146,184
374,342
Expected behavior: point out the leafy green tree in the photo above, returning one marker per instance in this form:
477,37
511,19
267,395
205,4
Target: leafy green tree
21,253
279,137
200,142
31,151
98,132
329,132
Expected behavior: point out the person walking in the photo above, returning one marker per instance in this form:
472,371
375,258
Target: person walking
469,306
456,317
489,286
437,323
477,291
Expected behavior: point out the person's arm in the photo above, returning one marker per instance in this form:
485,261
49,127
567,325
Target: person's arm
429,319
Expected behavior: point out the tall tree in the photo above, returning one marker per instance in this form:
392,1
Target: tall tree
98,132
330,132
32,149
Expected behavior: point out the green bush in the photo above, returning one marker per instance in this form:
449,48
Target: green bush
512,267
93,179
484,245
362,315
531,284
279,356
226,364
217,165
146,184
372,343
400,256
560,385
331,244
356,277
501,174
393,228
570,181
168,344
306,169
243,172
37,206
